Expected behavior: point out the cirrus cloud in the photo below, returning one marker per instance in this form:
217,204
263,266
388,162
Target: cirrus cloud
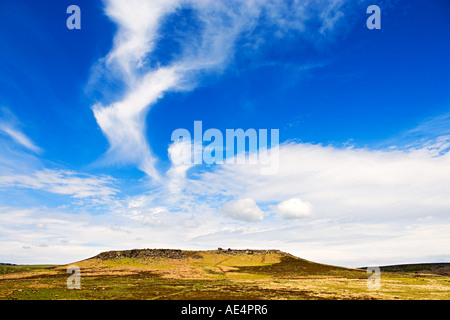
216,29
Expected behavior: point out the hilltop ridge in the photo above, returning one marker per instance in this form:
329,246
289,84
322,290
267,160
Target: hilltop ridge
219,263
178,253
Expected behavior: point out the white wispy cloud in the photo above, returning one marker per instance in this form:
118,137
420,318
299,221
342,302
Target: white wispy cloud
52,236
432,132
10,126
62,182
20,138
207,47
123,122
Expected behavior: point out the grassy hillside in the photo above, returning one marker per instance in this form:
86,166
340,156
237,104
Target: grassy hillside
215,274
424,268
8,268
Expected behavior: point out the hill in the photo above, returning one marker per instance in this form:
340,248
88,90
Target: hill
442,269
221,262
214,274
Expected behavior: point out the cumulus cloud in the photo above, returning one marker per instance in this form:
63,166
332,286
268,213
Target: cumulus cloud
243,209
294,208
345,181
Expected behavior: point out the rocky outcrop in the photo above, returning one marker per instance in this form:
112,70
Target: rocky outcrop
247,251
176,253
142,254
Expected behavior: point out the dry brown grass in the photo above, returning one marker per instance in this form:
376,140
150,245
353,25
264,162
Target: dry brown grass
212,275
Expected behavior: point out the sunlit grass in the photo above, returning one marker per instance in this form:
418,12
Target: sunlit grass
210,275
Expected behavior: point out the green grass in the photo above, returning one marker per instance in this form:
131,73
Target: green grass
5,269
215,276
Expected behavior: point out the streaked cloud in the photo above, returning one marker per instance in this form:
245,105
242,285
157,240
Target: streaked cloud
10,126
62,182
217,27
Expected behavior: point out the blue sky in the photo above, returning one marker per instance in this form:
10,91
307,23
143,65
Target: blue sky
86,118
